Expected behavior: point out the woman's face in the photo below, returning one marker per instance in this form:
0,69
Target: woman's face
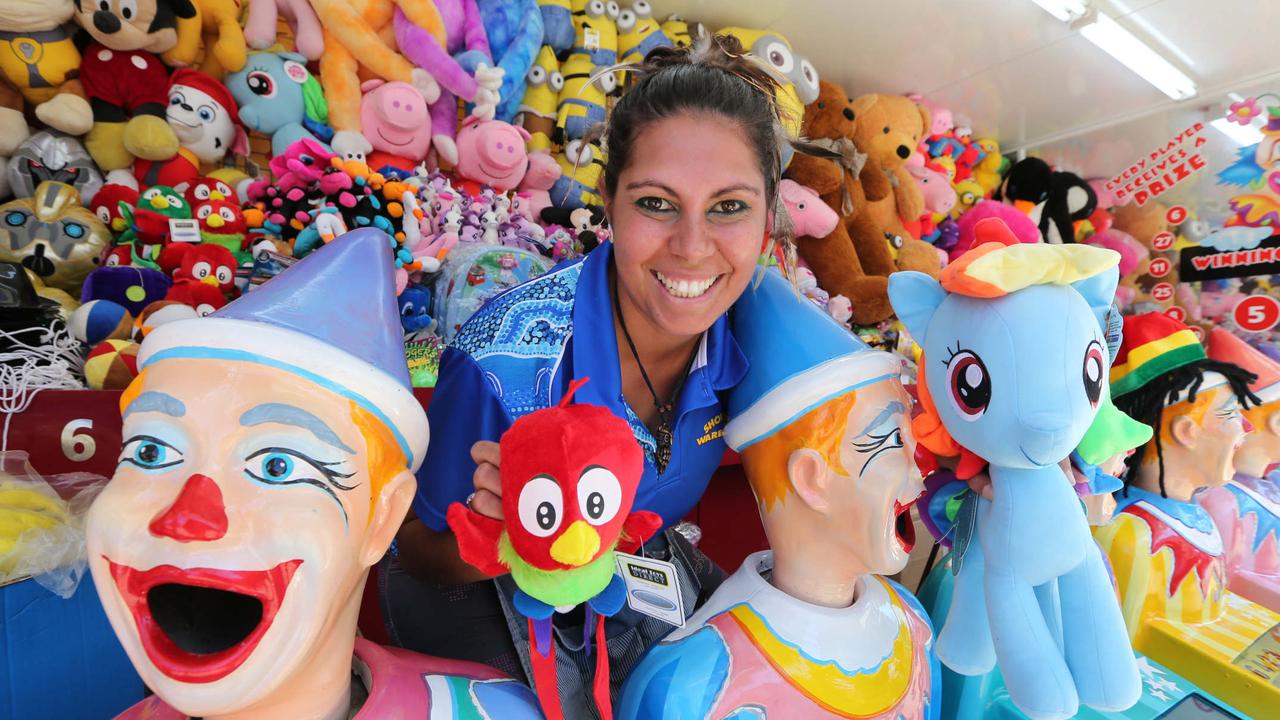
688,219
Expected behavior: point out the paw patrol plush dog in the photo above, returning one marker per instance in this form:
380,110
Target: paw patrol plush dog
38,56
205,119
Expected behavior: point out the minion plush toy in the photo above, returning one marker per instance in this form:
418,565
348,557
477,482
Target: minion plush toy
582,164
582,101
595,31
557,24
801,87
638,32
541,99
675,28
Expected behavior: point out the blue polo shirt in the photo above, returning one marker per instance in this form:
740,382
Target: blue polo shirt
519,353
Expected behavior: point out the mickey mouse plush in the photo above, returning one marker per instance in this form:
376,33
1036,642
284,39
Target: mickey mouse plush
124,79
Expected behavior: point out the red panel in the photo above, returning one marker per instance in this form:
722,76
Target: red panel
70,431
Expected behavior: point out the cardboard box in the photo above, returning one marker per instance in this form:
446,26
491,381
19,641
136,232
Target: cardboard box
59,659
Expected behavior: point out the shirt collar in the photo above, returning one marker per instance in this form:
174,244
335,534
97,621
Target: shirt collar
720,363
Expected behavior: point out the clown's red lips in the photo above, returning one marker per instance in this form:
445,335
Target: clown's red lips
197,625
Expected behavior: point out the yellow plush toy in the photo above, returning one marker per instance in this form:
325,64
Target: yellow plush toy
798,78
212,41
38,57
541,94
358,35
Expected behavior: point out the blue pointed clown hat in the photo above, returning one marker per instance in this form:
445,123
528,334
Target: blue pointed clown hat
800,358
332,319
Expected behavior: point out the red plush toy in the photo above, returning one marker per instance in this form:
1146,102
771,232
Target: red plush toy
569,476
106,205
204,297
222,223
207,263
208,188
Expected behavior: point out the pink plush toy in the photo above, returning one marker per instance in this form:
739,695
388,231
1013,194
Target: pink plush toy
491,152
1021,225
1133,255
260,27
939,195
809,215
395,121
536,187
464,31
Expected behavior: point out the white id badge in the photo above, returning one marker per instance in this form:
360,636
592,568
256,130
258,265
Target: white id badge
653,588
184,230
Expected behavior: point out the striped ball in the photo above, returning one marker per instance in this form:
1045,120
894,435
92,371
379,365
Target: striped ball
99,320
112,365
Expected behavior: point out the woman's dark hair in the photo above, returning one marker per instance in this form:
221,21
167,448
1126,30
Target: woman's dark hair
1147,403
714,75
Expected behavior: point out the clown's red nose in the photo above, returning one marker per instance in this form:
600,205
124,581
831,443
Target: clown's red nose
197,515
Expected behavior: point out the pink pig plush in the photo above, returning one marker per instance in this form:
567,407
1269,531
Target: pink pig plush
809,215
542,174
493,153
395,120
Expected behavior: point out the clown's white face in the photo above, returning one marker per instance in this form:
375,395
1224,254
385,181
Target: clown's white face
201,123
235,534
879,483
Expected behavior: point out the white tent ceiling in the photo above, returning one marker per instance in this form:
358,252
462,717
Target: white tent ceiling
1021,75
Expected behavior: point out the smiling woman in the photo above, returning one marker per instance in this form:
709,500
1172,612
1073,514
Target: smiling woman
689,188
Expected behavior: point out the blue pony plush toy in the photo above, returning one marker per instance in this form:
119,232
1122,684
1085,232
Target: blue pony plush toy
1013,373
279,97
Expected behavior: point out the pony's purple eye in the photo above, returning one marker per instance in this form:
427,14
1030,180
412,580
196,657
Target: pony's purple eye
970,384
1093,367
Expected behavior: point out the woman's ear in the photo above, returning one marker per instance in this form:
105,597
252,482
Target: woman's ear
807,471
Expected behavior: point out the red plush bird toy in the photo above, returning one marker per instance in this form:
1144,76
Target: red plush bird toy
569,476
203,297
208,188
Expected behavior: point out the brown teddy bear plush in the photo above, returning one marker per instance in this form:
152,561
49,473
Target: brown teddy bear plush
829,163
888,129
1144,224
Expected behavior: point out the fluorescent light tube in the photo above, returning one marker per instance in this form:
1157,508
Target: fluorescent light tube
1064,10
1242,135
1136,55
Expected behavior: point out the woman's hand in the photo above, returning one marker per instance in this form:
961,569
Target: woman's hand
487,499
981,483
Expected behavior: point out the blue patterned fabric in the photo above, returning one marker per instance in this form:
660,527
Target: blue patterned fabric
518,354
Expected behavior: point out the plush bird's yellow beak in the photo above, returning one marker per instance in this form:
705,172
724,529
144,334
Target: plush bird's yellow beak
577,546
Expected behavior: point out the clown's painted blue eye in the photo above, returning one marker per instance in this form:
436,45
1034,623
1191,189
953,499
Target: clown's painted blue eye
150,453
277,466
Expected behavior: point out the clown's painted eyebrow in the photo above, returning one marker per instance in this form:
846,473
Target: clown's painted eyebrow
893,408
290,415
155,401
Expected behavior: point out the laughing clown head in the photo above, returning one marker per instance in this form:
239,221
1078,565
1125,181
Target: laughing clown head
822,423
268,461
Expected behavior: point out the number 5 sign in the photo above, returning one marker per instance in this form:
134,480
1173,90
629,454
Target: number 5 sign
1257,313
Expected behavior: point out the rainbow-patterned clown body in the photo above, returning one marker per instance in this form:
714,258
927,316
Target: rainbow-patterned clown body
1167,558
1247,514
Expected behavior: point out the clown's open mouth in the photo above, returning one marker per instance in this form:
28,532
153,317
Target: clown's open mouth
198,625
903,528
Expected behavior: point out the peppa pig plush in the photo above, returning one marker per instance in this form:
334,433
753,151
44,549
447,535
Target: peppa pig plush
810,217
395,120
538,180
492,153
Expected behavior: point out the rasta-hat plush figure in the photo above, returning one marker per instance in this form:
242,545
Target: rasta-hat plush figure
1160,364
569,476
